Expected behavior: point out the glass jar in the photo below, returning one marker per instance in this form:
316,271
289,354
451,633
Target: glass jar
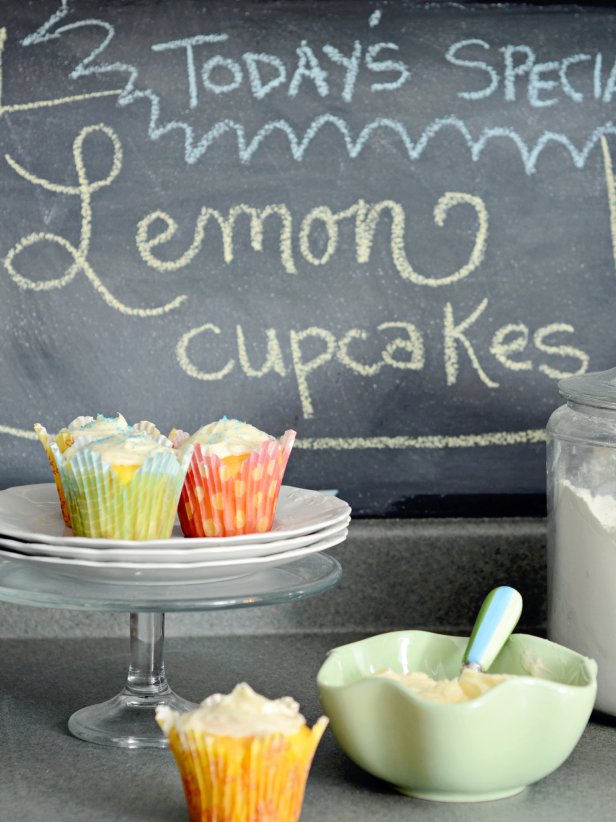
581,489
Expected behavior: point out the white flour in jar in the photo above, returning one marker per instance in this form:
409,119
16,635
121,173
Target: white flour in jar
582,613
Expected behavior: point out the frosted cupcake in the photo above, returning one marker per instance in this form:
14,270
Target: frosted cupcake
93,428
234,478
242,757
122,486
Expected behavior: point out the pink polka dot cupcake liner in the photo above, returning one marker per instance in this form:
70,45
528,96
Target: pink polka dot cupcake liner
233,495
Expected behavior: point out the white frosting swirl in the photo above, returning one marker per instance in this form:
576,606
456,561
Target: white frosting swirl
241,713
130,448
100,427
226,438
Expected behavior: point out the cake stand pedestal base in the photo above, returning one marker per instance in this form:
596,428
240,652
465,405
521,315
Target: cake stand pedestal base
128,719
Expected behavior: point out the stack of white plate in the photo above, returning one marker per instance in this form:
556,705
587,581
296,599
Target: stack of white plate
32,533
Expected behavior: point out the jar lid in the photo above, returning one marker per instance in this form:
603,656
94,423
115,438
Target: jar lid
597,388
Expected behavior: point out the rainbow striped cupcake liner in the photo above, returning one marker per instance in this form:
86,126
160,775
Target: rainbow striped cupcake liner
66,438
233,495
121,502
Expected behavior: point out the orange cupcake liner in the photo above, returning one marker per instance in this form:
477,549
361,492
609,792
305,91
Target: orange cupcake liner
67,441
233,495
245,779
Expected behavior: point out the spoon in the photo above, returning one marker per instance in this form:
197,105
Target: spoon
495,621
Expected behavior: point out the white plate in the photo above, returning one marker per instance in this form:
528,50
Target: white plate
166,573
32,513
187,553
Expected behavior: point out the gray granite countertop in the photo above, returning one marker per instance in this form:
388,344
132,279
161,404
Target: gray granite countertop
395,574
46,775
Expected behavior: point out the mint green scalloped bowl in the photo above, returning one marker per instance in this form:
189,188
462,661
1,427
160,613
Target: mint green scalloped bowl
488,748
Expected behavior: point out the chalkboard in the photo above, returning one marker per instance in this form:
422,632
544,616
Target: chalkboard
390,226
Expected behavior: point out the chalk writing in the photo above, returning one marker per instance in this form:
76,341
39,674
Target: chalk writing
196,146
84,191
188,44
36,104
461,337
405,352
455,333
30,106
375,18
611,193
531,71
145,243
367,216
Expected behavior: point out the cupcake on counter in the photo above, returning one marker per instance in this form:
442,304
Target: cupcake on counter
242,757
121,481
234,478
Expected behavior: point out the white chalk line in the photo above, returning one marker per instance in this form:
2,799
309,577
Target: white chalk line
430,441
17,432
58,101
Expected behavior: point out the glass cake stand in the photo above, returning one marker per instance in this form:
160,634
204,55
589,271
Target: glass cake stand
127,720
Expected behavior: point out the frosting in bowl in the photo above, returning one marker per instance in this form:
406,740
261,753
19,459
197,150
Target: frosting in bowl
469,685
241,713
227,438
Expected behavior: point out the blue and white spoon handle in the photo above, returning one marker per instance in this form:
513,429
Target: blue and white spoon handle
495,621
